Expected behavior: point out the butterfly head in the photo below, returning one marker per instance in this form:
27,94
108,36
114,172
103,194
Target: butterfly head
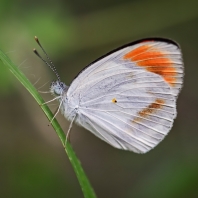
58,88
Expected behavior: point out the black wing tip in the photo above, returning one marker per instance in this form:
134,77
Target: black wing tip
161,39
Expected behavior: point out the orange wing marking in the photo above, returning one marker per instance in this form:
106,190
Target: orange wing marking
154,61
152,108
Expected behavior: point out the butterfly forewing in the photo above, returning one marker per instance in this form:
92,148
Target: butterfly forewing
128,98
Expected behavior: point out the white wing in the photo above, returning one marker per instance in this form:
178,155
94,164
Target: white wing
128,98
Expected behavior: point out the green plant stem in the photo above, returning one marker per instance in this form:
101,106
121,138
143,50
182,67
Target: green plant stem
82,178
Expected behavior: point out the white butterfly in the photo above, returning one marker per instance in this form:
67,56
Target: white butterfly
128,97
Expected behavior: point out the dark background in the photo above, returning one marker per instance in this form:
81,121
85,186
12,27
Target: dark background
74,33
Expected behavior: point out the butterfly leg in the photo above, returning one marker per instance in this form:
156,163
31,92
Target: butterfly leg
68,132
51,100
56,112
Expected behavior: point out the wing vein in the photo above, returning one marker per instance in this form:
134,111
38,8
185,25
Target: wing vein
135,138
139,129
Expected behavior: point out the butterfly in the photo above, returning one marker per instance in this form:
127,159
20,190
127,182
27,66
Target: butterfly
127,97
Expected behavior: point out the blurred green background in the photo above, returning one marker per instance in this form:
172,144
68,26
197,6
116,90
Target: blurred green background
74,33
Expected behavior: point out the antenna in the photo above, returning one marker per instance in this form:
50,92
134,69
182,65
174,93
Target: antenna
51,65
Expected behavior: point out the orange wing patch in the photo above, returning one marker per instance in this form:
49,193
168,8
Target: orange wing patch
152,108
136,51
155,61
